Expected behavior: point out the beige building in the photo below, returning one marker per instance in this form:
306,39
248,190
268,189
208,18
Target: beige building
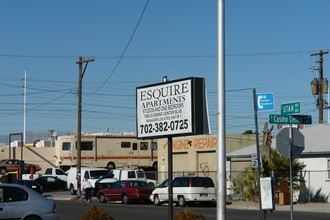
196,155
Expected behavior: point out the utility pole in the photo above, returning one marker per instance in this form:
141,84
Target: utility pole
80,77
320,83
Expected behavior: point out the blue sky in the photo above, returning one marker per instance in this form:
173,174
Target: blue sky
268,47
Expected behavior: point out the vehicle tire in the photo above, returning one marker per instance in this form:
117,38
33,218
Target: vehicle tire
32,218
181,201
111,166
102,198
156,200
125,199
72,190
151,185
3,170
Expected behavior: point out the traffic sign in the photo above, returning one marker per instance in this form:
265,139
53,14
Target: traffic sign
290,108
265,102
283,142
290,119
254,160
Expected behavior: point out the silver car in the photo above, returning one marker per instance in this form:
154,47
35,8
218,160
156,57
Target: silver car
20,202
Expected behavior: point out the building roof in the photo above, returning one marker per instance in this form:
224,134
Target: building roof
317,142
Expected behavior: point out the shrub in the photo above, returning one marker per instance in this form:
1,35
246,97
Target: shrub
95,213
187,214
318,196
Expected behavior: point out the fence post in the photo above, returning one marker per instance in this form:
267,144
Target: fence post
309,186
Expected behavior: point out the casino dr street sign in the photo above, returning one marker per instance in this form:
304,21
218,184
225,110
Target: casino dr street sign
290,119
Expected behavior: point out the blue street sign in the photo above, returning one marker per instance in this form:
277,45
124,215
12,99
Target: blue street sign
265,102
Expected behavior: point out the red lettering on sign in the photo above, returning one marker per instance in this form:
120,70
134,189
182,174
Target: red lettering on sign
181,144
205,143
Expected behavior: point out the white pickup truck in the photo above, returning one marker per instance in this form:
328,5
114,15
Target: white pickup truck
49,172
132,174
56,172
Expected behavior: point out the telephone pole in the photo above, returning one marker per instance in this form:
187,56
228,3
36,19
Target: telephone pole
80,77
320,84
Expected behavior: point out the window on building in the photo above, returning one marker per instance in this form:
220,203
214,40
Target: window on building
86,145
125,144
66,146
144,146
154,146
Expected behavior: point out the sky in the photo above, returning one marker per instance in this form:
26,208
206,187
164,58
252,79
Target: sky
268,46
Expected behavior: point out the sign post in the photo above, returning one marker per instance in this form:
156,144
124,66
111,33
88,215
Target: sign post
170,109
289,141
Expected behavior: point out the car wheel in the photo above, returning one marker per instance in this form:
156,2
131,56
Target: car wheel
3,170
182,201
102,199
151,185
72,191
125,199
156,200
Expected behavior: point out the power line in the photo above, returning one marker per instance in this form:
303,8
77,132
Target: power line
127,45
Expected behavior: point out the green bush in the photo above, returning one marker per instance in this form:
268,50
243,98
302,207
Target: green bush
95,213
187,214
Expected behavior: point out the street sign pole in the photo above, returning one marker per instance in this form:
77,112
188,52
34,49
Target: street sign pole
262,213
291,179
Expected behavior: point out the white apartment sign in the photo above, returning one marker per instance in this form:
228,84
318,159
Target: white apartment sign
169,109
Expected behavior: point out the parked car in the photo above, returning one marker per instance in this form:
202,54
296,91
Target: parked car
186,190
31,184
90,173
51,183
12,166
126,191
20,202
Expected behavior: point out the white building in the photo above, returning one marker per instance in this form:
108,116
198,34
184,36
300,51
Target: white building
316,157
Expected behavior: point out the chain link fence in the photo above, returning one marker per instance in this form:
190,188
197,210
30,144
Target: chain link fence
314,187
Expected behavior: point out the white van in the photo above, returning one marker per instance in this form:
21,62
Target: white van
186,190
90,173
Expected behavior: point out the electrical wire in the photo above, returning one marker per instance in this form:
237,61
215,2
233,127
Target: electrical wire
127,45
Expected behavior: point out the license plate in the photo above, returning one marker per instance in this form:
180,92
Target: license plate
34,187
203,195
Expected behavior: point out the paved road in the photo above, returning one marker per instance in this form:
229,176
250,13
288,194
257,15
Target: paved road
71,209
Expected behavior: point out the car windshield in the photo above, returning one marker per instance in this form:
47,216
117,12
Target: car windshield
97,174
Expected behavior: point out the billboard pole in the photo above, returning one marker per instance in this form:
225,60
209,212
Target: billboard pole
221,148
170,177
